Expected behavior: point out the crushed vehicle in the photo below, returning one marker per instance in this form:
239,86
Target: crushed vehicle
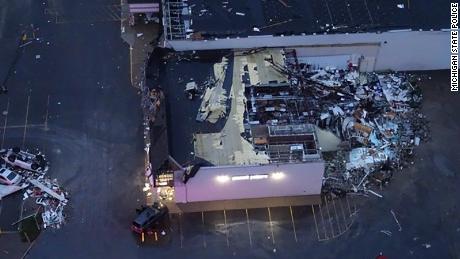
24,170
8,177
24,160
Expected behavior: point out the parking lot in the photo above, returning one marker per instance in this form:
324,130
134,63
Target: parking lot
270,229
21,126
80,110
94,144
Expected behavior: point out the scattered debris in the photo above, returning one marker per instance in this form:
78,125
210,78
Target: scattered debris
52,199
41,185
24,160
31,169
151,102
426,245
386,232
213,105
397,222
374,193
191,88
6,190
375,114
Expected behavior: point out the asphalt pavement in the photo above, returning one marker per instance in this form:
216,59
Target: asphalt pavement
70,96
75,103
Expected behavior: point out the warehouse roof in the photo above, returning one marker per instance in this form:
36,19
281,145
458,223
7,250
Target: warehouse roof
143,1
275,17
247,182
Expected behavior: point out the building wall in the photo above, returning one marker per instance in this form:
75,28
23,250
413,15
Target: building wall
243,204
299,179
396,50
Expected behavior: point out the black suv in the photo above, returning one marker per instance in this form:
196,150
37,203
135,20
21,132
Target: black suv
148,217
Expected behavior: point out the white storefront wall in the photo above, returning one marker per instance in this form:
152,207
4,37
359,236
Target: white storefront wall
402,50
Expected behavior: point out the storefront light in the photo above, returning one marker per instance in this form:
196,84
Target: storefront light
240,177
278,175
258,176
222,178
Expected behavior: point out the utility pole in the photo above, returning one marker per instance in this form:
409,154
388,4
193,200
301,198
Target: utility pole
21,44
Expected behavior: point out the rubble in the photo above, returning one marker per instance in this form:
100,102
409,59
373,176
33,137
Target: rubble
51,199
151,102
49,196
374,118
214,100
376,115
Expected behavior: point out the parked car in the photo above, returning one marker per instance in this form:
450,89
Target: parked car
8,177
24,160
148,217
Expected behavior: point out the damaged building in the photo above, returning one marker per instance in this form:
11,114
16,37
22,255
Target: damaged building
273,127
386,35
241,140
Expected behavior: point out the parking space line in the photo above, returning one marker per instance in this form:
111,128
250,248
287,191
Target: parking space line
203,226
324,223
25,124
336,216
6,121
131,65
226,228
348,204
293,224
354,206
180,231
316,224
249,228
47,112
28,126
343,214
271,224
329,214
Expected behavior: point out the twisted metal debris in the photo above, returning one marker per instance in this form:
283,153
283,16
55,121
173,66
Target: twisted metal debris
376,115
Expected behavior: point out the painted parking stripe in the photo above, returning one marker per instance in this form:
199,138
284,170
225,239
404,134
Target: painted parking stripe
6,121
348,204
336,216
47,112
330,219
293,224
204,229
249,228
323,221
26,120
316,224
343,213
271,224
226,228
180,231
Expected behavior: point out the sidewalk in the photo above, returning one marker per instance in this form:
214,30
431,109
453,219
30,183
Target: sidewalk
139,37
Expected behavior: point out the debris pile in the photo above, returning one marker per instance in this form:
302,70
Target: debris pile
151,102
213,104
376,115
31,169
52,199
